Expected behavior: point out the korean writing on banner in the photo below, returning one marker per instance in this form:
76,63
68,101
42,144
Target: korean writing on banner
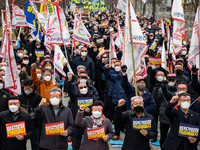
142,123
54,128
154,60
96,133
86,101
15,128
39,53
187,130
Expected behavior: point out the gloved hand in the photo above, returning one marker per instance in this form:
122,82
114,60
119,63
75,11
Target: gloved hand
194,69
124,68
170,57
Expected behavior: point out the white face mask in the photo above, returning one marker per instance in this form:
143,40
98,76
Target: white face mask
183,52
83,80
160,78
165,79
113,65
48,67
84,91
27,92
84,53
171,83
26,62
31,40
1,86
4,68
13,108
104,55
96,114
54,101
47,78
39,75
117,69
37,46
20,55
185,105
151,37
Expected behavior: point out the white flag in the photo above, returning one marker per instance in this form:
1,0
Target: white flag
139,45
179,24
195,42
3,22
18,17
60,59
12,80
162,25
121,5
163,55
112,47
119,39
4,40
81,34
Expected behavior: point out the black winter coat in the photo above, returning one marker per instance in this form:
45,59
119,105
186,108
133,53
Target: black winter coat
12,143
4,100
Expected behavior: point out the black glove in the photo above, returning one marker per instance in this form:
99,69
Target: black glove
194,69
124,68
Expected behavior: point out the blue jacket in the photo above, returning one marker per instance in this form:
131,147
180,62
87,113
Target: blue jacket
149,102
111,87
118,92
87,63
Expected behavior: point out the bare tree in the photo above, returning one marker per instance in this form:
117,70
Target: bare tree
154,8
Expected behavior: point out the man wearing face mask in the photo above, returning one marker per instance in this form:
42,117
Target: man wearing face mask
180,76
25,63
116,94
135,139
85,61
19,55
83,97
2,73
180,61
36,45
3,66
96,120
55,112
29,100
149,102
178,114
46,84
14,115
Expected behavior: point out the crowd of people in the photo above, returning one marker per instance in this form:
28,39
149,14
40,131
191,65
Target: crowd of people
100,93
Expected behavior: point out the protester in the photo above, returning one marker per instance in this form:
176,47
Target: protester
95,121
54,112
15,115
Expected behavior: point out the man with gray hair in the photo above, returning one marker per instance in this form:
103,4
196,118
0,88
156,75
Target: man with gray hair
57,122
140,126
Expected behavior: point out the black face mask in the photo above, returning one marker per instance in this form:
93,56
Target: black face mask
138,109
141,87
179,71
146,61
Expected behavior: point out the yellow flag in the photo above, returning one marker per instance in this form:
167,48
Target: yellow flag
46,7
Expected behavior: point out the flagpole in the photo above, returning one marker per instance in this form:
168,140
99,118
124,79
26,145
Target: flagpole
18,37
130,30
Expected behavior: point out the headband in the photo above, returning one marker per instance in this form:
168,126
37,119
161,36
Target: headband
2,72
55,92
159,72
13,101
171,75
82,84
30,86
118,63
114,60
3,63
47,72
136,100
181,97
97,107
182,86
81,69
178,66
82,74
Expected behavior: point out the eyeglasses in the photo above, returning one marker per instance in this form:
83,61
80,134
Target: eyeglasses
83,87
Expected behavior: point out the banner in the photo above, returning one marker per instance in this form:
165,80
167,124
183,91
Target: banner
39,53
141,123
15,128
163,56
187,130
179,23
54,128
2,21
121,5
154,60
184,36
81,34
143,68
60,59
3,45
32,20
194,53
162,25
46,9
119,40
8,17
112,46
153,46
12,78
139,47
86,101
101,53
96,133
18,17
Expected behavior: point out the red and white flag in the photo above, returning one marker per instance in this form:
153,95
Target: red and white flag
3,45
119,40
140,47
195,42
143,68
81,33
18,17
163,56
179,23
112,46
